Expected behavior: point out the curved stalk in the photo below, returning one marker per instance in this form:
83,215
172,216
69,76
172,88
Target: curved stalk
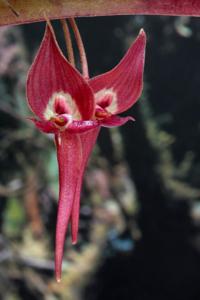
68,42
83,58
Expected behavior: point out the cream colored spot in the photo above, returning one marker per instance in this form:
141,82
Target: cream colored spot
50,112
112,108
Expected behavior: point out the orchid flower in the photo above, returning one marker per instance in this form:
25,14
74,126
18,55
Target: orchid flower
73,108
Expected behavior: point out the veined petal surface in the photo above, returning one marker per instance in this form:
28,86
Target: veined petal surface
125,81
88,140
51,73
69,157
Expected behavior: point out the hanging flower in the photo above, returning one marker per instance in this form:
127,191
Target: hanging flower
73,108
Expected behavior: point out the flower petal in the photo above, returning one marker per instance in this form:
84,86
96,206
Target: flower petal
88,140
82,126
74,127
124,83
45,126
115,121
69,157
51,73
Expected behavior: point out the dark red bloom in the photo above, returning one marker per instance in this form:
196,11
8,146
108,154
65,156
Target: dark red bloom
74,109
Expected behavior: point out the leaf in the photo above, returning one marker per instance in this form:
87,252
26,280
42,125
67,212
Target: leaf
19,12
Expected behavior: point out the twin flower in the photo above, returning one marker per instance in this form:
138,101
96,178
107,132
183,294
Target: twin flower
73,108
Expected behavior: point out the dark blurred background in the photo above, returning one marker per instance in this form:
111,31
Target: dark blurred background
140,210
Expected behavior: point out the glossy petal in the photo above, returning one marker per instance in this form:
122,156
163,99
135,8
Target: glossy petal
82,126
88,140
51,73
69,156
125,81
74,127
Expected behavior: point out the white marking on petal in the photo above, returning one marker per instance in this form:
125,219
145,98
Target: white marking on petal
112,108
50,109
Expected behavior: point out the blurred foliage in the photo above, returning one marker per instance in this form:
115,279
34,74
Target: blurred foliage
140,217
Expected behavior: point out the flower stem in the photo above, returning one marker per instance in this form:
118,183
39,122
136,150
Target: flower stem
68,42
83,58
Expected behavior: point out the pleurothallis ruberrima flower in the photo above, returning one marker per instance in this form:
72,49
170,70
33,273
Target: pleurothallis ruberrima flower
73,107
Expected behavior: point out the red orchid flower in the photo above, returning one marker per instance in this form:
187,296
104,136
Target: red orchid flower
73,108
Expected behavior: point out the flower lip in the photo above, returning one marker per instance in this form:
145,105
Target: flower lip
62,120
101,113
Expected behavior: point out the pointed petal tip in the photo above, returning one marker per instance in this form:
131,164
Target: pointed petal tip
74,242
58,273
58,279
75,215
126,79
58,75
49,29
142,32
142,35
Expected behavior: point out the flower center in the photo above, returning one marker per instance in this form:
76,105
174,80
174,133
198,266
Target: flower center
61,120
101,113
61,106
106,103
61,110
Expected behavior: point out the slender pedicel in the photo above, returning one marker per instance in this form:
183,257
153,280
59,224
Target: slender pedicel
68,42
83,57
